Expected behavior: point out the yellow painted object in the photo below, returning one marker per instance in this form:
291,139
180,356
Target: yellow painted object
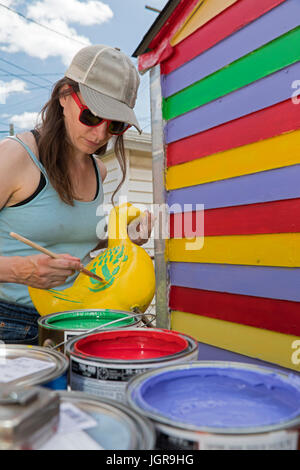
266,345
202,14
279,249
265,155
127,269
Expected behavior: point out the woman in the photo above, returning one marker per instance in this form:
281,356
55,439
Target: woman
51,184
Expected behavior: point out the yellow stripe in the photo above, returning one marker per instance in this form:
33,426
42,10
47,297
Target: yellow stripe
202,13
259,250
280,151
261,344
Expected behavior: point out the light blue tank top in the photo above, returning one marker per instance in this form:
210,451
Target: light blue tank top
52,224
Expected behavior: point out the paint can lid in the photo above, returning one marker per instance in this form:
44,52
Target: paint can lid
92,423
28,416
24,365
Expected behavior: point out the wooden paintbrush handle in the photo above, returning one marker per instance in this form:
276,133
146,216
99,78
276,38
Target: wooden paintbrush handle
50,253
34,245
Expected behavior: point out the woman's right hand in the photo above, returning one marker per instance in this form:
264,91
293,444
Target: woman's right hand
43,272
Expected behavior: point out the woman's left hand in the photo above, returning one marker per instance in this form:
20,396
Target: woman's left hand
139,230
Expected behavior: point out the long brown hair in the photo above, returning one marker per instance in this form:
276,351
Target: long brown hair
55,149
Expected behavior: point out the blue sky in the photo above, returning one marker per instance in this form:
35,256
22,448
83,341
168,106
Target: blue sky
33,58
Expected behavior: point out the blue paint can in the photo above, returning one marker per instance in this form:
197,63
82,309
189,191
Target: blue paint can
24,365
219,405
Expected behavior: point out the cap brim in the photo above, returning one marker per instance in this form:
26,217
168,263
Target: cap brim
107,107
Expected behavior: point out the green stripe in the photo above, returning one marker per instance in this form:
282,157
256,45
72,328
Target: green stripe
276,55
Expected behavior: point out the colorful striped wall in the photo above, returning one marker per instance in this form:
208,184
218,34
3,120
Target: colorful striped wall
232,132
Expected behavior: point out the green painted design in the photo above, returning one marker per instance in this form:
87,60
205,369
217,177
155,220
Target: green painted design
67,300
103,286
270,58
116,270
106,272
110,267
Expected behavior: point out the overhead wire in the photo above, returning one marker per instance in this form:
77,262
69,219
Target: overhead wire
26,79
29,74
23,69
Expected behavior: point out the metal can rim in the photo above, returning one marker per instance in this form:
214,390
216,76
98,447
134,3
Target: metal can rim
160,419
42,320
61,364
192,346
147,436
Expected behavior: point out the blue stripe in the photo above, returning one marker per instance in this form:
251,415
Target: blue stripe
273,185
259,95
258,281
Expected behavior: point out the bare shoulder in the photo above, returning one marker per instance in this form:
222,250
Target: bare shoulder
102,169
14,164
13,153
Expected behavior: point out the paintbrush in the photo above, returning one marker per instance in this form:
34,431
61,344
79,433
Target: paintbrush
52,255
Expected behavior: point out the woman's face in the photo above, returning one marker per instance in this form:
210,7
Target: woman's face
84,139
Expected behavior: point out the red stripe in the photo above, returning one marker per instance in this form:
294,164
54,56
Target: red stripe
269,217
230,20
265,124
277,315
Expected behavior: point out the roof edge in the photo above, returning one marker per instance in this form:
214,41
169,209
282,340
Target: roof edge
156,27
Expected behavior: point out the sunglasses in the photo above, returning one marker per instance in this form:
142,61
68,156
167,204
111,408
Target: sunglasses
87,118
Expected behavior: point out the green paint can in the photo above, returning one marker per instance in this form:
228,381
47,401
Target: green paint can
57,328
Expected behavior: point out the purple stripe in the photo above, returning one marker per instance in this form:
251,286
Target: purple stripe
212,353
265,29
268,282
259,95
273,185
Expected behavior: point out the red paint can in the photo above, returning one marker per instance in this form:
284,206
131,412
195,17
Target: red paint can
103,363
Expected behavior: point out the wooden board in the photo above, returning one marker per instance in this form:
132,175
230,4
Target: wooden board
266,186
254,127
226,23
262,344
205,11
257,281
255,35
280,151
259,95
257,250
274,56
271,314
270,217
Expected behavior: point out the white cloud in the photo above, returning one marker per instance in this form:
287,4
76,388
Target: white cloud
71,11
25,120
7,88
19,35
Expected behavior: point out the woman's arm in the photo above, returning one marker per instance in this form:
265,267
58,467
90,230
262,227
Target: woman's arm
39,271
